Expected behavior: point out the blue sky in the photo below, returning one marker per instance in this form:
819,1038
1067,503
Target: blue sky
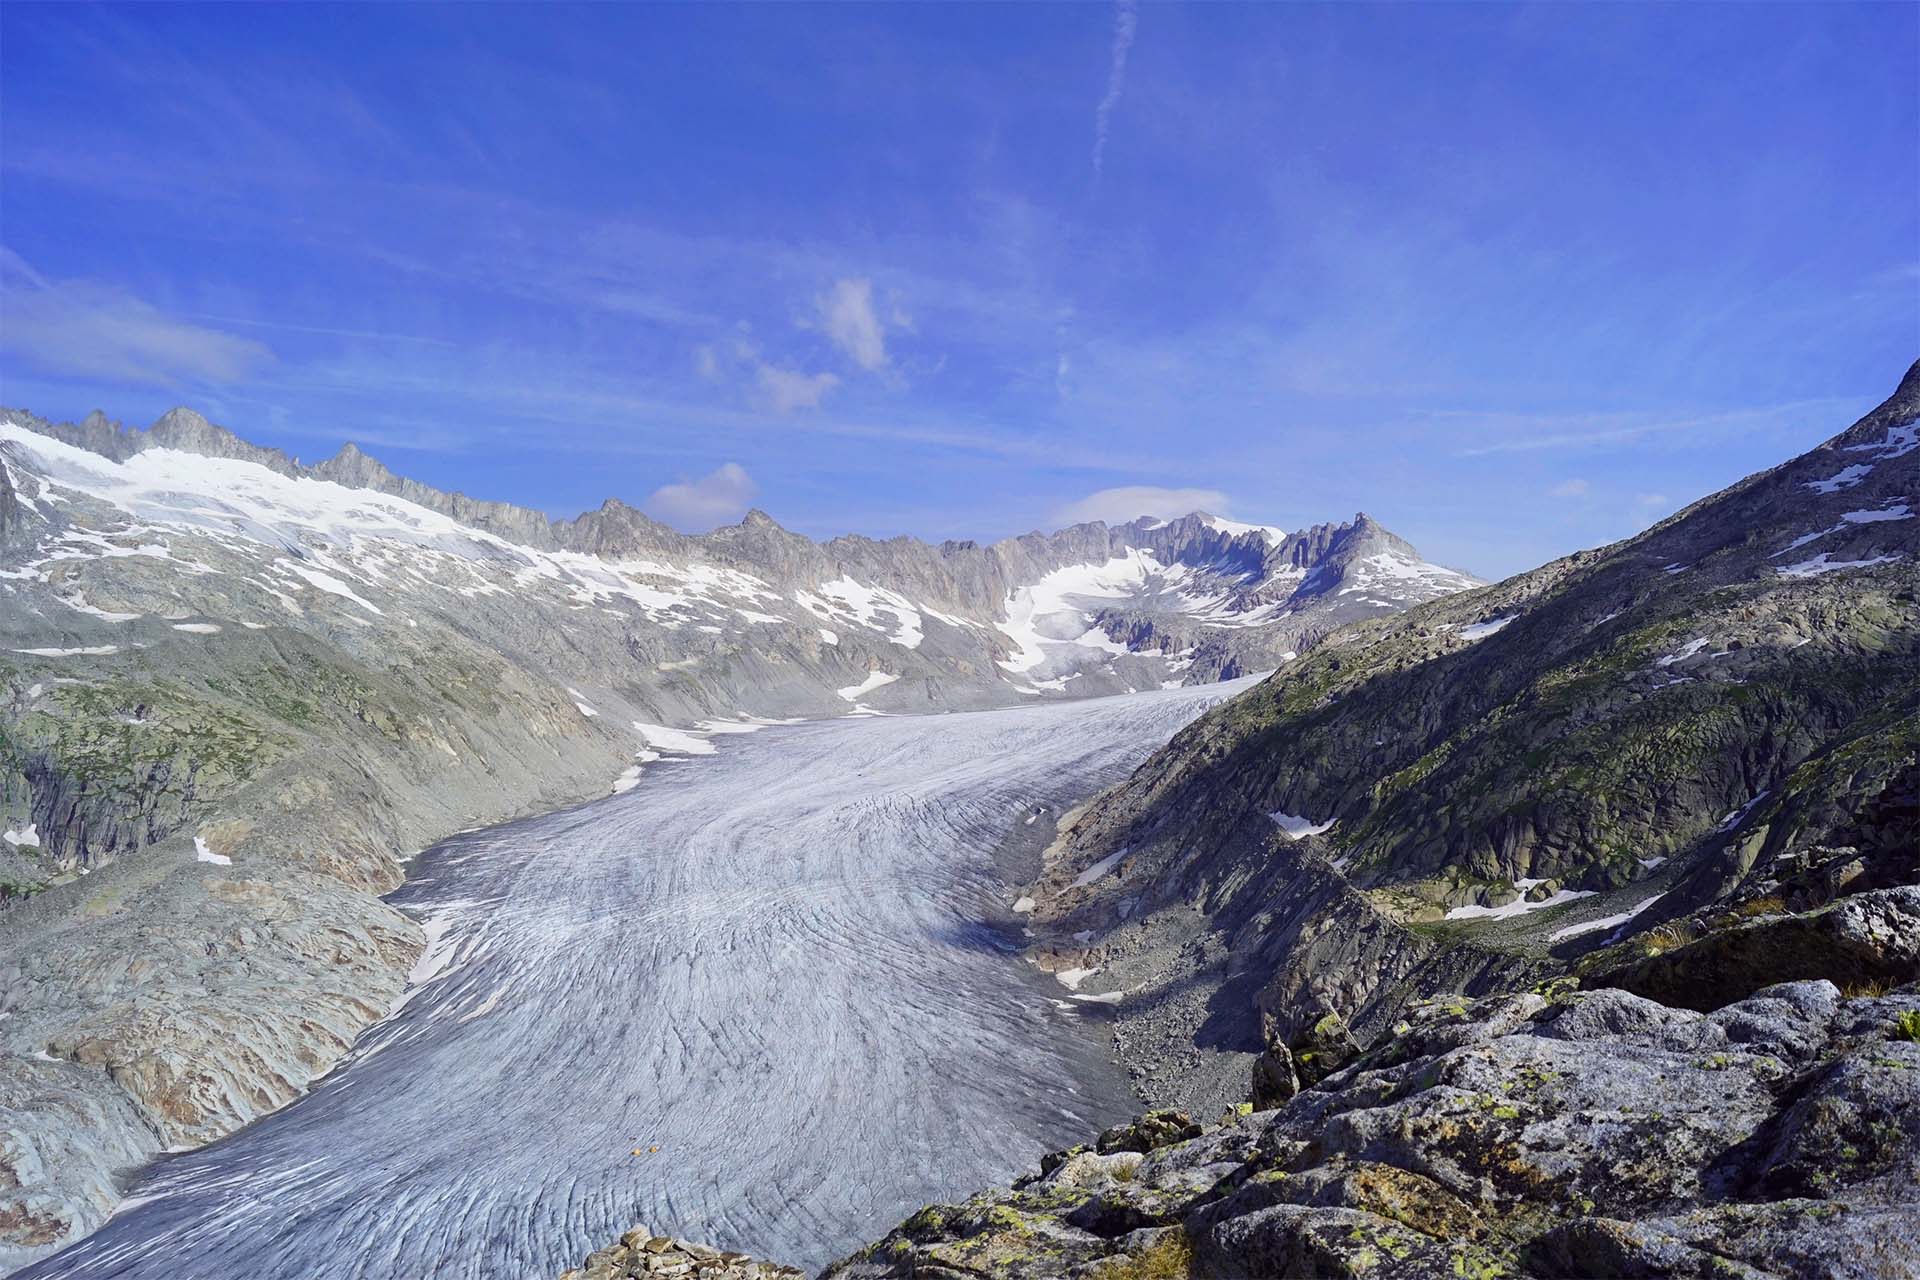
1514,280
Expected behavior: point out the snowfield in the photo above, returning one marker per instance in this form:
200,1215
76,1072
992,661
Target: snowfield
787,966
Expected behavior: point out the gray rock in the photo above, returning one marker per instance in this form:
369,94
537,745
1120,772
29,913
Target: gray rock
1864,939
1593,1135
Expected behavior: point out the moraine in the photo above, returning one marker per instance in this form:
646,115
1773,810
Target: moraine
788,967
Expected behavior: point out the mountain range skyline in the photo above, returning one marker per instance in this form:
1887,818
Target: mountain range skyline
928,273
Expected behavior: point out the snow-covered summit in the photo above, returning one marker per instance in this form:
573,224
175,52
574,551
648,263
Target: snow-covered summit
109,530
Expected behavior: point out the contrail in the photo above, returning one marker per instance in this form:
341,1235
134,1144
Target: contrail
1123,25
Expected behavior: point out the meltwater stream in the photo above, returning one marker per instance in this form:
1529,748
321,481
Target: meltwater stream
774,973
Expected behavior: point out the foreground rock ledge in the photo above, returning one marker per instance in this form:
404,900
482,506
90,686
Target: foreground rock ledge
641,1253
1595,1134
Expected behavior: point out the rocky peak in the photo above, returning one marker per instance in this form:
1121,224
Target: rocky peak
355,469
183,429
618,531
760,543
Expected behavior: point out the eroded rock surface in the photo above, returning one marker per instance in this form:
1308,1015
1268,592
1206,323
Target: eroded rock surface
642,1254
1591,1134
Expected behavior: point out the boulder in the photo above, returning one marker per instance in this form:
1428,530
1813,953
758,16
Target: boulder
1865,940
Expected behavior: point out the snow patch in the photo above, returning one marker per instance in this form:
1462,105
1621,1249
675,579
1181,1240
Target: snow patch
1892,511
1734,819
27,837
874,680
1824,563
1519,906
1605,922
198,628
1295,827
92,651
1236,529
329,584
203,854
1684,652
1845,478
1481,630
1099,868
1897,443
662,738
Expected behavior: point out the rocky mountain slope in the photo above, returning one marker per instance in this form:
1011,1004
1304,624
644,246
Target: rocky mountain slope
1590,1134
236,691
1470,795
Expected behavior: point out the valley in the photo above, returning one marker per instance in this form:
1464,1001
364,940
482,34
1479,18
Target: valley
769,998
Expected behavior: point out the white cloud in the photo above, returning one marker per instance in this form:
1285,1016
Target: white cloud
1568,489
848,319
1650,499
97,330
706,362
788,389
1130,502
1124,21
718,497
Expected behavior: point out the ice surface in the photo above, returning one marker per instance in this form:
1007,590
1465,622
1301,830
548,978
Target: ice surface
771,967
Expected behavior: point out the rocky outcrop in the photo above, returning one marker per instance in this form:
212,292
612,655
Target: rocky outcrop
1590,1134
1470,795
1864,940
641,1254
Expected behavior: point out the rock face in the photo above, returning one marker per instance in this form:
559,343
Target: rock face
641,1254
1864,940
236,691
1593,1134
1469,795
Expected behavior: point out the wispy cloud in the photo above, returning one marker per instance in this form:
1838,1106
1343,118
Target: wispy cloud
1124,22
785,390
697,505
848,319
97,330
1568,489
1537,433
375,335
1130,502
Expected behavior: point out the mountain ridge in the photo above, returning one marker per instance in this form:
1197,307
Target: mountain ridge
1491,784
